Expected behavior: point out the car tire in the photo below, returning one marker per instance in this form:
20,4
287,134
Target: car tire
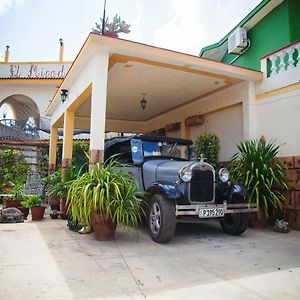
235,224
161,219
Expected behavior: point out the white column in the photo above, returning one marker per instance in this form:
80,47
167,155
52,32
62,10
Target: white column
98,106
249,113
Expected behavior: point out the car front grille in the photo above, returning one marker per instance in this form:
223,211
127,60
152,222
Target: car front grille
202,186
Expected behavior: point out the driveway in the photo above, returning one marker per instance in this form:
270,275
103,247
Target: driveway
44,260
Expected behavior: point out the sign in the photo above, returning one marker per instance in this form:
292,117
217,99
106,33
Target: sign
34,71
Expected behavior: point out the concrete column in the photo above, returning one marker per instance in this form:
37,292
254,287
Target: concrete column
185,134
98,108
53,149
185,130
249,113
69,118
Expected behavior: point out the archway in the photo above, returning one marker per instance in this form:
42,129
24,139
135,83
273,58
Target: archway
23,108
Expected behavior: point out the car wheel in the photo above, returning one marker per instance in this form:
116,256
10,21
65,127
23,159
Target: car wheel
235,224
162,219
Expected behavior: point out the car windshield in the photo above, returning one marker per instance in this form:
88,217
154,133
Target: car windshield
165,149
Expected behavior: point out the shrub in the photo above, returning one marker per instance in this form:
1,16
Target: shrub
208,144
257,167
32,201
13,167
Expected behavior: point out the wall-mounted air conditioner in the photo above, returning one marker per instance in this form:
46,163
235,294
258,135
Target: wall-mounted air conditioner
237,41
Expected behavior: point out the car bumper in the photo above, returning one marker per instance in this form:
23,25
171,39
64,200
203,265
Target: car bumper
195,210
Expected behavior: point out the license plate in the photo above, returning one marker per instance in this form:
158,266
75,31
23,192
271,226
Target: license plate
211,212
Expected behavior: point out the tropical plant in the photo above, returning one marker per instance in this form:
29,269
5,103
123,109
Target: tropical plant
32,201
105,190
257,167
18,192
208,145
116,26
80,160
59,187
13,167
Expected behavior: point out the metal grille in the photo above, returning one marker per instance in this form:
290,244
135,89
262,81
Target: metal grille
202,186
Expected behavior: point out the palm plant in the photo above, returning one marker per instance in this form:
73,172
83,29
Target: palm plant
108,191
257,167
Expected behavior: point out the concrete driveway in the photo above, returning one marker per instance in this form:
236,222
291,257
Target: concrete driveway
44,260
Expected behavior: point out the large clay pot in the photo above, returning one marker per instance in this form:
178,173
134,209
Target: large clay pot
54,202
37,213
103,227
63,205
25,211
258,219
111,34
12,203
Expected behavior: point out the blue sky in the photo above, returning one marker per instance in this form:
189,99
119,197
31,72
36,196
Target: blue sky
32,28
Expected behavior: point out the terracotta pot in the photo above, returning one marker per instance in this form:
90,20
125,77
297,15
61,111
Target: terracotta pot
103,227
37,213
258,219
25,211
63,205
111,34
54,202
12,203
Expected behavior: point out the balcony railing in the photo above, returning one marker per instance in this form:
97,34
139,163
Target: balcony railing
282,60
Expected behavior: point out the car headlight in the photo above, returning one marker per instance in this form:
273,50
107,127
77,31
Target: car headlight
224,175
185,174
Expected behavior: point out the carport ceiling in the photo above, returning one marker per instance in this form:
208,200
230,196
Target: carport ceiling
165,87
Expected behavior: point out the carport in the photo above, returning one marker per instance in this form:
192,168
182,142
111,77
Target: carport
110,77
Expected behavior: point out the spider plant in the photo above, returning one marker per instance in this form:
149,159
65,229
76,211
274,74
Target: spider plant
257,167
105,190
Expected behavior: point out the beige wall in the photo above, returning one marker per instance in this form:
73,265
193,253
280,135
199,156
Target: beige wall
278,118
227,124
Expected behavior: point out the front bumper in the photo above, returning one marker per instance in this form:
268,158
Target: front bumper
194,210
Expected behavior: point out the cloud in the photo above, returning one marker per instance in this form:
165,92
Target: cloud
6,5
198,23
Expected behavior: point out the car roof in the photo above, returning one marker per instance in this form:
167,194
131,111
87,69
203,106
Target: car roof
145,137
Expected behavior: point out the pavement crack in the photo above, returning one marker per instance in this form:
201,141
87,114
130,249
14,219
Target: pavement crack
137,281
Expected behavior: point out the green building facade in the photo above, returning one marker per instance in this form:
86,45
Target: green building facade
275,27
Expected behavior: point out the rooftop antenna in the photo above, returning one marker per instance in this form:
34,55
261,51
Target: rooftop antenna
103,19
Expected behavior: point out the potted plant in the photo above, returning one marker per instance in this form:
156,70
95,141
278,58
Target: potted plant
112,29
34,202
53,195
104,198
257,167
59,190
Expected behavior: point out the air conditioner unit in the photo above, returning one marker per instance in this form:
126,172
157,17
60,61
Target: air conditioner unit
237,41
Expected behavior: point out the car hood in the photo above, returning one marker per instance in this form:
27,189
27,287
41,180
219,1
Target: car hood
162,170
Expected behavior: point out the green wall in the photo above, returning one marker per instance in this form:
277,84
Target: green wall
279,28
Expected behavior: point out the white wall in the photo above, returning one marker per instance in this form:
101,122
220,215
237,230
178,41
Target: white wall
278,118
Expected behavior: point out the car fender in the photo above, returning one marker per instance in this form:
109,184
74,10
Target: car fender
237,188
169,189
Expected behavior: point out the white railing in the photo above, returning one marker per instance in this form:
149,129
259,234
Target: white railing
282,60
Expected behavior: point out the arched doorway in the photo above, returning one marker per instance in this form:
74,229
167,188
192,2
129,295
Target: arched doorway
19,118
23,108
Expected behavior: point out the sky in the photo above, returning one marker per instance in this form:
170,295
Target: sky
32,28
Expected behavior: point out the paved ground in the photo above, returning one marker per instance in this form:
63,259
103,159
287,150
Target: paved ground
44,260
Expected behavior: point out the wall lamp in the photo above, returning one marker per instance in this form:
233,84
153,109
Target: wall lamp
63,95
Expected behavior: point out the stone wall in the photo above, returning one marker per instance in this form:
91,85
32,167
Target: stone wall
293,195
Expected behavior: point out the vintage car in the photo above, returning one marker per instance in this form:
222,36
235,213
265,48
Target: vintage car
178,189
